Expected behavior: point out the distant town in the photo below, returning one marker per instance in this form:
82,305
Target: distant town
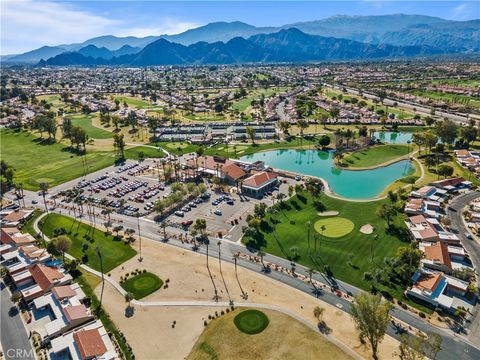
294,210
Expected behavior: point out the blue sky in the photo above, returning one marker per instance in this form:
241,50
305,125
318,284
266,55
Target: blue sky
28,24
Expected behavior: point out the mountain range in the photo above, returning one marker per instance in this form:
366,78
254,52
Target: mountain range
416,34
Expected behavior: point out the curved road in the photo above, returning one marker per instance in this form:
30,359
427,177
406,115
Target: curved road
455,211
454,345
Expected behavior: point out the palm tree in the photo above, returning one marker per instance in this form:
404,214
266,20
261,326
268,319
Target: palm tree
215,296
103,279
137,215
235,259
44,189
261,254
219,244
308,225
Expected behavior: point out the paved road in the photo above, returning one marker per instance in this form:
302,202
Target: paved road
418,108
454,346
473,247
13,335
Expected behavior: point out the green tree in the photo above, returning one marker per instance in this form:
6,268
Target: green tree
447,131
371,317
251,133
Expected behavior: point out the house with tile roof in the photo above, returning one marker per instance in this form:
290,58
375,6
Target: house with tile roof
66,310
39,279
90,341
439,290
259,183
13,236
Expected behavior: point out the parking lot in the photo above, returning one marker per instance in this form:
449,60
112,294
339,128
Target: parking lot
129,189
225,214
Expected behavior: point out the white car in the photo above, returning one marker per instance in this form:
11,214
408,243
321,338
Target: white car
218,212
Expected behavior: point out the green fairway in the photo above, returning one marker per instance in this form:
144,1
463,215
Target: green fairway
334,226
376,155
284,233
133,101
148,152
448,97
114,252
176,147
35,161
243,104
85,122
251,321
142,285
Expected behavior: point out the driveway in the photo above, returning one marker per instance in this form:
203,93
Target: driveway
13,335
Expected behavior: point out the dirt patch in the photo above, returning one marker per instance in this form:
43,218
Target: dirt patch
366,229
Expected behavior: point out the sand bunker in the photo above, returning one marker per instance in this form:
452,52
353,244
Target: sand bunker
328,213
366,229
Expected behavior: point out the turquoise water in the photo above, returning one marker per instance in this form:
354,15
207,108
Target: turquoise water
393,137
364,184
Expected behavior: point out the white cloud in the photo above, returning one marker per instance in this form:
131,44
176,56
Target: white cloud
461,11
167,26
28,24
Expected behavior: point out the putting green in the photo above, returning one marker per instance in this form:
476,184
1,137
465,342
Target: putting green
251,322
335,227
142,285
237,149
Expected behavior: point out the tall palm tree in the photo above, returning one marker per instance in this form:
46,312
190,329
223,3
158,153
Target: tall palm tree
235,259
215,296
308,225
103,278
163,225
219,244
44,189
261,254
137,215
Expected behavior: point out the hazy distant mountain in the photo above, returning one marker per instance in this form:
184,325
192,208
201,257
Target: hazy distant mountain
44,52
217,31
402,30
288,45
104,53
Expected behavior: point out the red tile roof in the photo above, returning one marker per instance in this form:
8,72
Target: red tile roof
428,281
75,312
89,343
417,219
438,253
259,179
61,292
45,276
233,171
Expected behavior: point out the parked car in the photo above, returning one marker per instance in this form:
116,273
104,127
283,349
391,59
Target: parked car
468,235
217,212
34,201
187,223
180,213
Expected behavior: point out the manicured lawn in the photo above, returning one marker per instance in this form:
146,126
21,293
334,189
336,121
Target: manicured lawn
284,233
85,122
448,97
35,162
334,226
114,252
136,102
176,147
251,321
142,285
243,104
283,338
148,152
376,155
28,226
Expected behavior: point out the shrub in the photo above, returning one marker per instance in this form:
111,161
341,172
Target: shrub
422,315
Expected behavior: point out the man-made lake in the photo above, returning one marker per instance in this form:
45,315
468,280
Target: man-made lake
393,137
350,184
